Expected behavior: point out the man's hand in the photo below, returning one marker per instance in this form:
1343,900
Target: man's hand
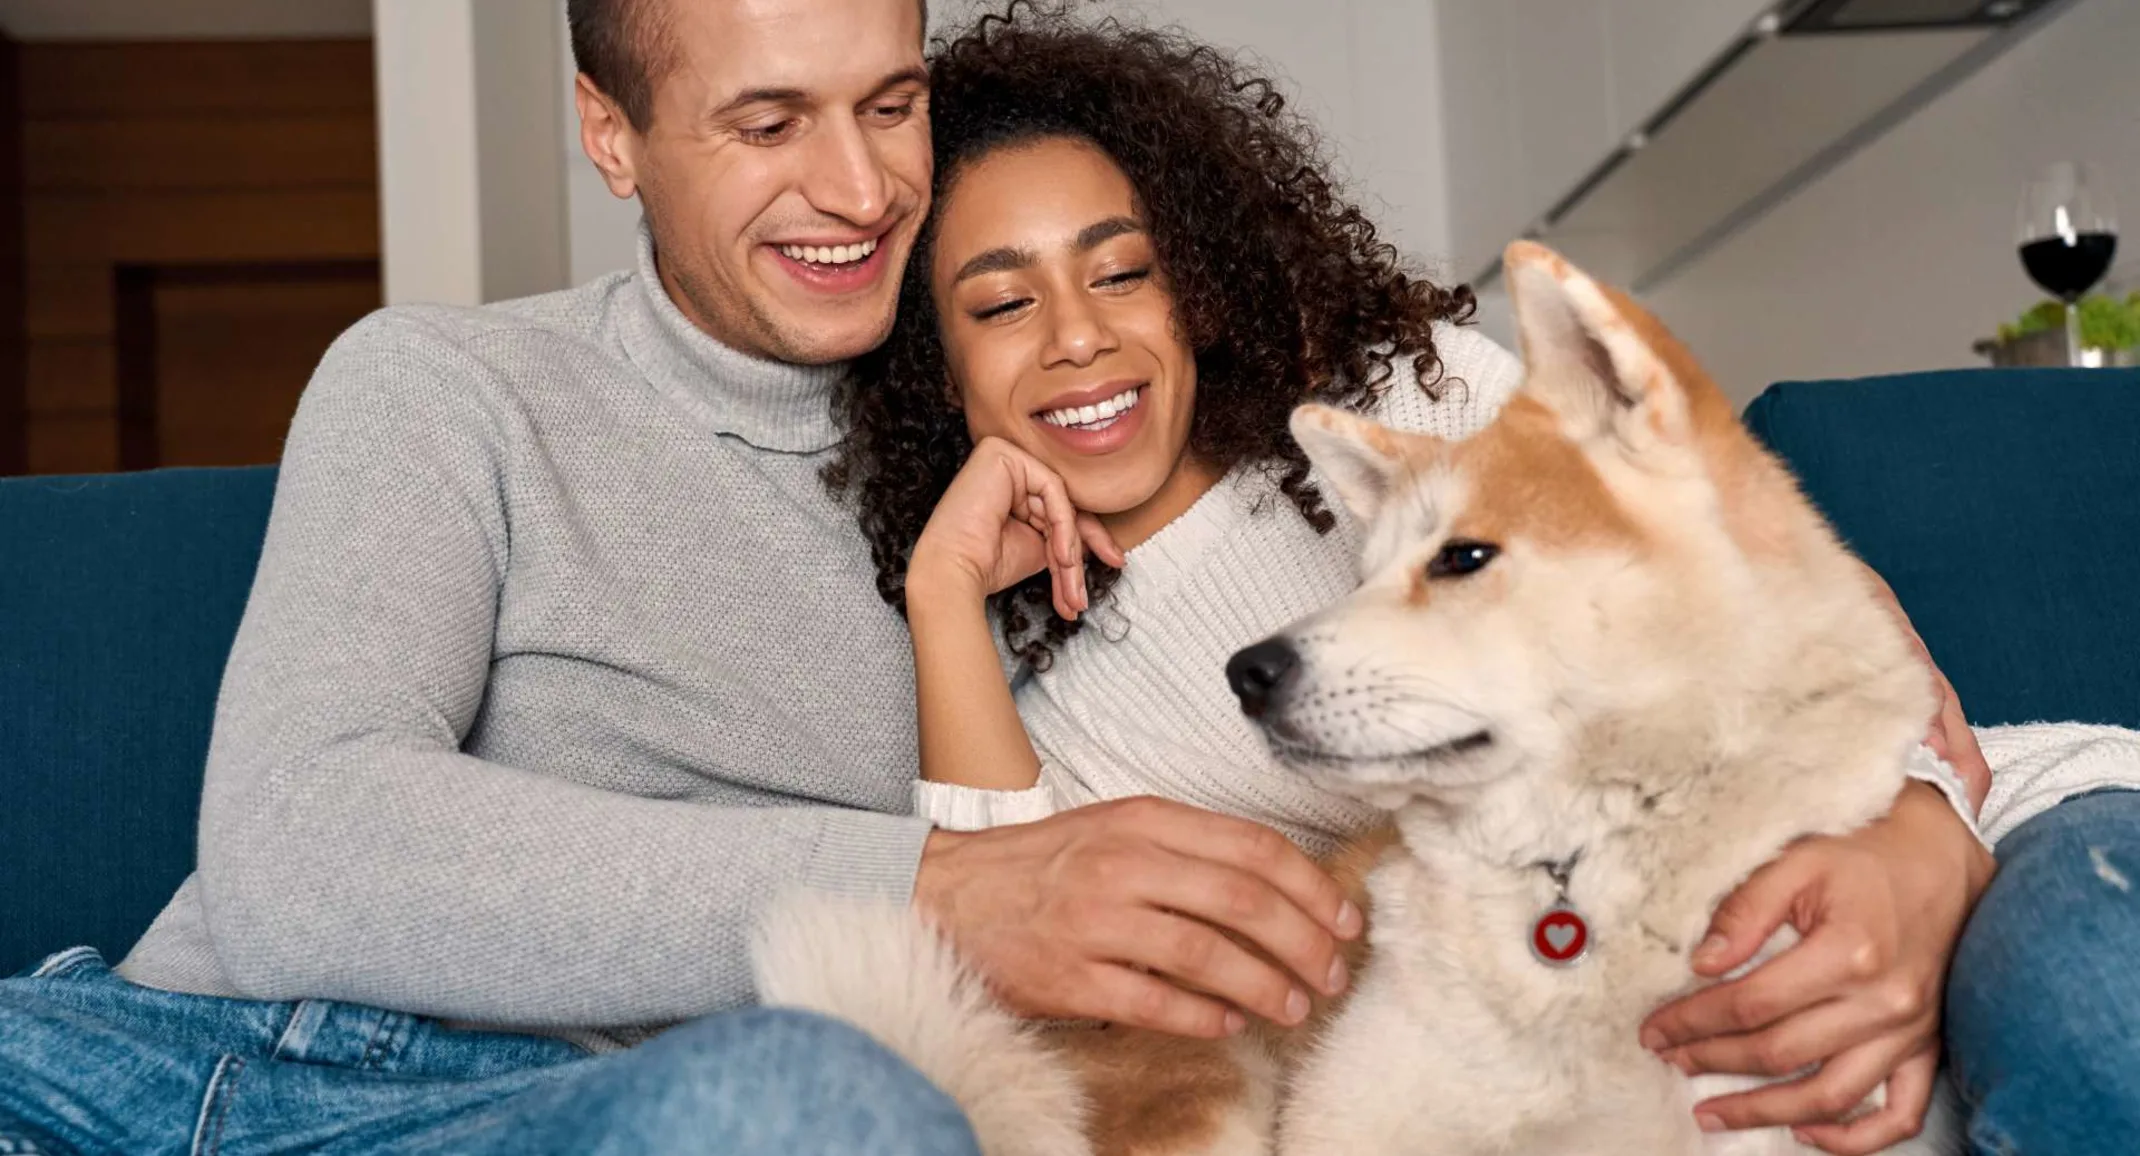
1859,995
1113,912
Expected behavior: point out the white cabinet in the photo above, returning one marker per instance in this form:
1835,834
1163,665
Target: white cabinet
1658,46
1539,92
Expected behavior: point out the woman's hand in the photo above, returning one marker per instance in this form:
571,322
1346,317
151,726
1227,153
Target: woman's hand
1005,518
1859,996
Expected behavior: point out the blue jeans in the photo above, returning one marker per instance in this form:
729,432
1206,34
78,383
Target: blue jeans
92,1064
2043,1005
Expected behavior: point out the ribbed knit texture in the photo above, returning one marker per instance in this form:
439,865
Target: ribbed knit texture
1137,702
559,662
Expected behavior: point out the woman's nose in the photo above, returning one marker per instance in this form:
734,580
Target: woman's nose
1077,334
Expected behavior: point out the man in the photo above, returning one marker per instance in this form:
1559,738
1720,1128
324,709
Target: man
560,662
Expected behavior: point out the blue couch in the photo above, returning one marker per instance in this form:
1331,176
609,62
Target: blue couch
2003,506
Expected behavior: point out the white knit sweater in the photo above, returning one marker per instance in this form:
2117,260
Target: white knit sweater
1137,702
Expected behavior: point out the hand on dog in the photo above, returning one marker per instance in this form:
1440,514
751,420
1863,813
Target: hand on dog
1004,518
1114,911
1859,995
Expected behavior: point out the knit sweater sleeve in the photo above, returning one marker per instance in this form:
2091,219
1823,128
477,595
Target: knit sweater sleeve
1477,379
955,807
349,850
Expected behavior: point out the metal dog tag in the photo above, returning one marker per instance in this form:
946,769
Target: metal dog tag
1561,936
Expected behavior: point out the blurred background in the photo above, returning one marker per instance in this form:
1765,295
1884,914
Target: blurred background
197,195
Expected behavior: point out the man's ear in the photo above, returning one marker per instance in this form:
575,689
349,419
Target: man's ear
608,138
1586,359
1357,457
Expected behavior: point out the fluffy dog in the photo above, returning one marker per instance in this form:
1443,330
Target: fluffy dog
1605,662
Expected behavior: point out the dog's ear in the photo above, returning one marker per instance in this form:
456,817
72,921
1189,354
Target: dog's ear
1591,356
1358,458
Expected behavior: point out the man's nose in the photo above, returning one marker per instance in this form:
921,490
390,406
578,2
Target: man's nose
1261,674
848,179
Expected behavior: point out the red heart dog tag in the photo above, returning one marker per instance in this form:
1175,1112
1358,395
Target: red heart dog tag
1560,937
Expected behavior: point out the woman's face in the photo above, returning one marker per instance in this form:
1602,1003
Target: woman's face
1057,323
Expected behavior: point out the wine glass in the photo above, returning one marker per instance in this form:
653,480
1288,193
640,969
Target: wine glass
2069,233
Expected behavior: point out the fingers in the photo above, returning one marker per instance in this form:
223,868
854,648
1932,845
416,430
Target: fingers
1198,956
1796,1042
1124,995
1812,972
1100,541
1225,897
1254,848
1754,911
1909,1097
1825,1096
1745,921
1046,506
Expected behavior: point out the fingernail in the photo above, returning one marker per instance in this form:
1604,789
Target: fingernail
1679,1059
1652,1039
1236,1023
1348,919
1711,946
1336,982
1708,1123
1296,1006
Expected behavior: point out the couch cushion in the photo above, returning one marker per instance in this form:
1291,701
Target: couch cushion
2004,508
118,599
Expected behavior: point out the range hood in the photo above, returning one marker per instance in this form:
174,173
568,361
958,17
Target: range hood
1809,83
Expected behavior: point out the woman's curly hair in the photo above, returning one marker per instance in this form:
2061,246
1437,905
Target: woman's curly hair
1281,287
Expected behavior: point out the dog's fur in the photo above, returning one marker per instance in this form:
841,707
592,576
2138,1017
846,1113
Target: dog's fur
1670,670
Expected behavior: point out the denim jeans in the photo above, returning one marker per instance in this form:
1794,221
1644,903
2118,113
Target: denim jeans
2043,1005
92,1064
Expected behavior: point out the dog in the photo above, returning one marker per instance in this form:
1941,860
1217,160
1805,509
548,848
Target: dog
1605,662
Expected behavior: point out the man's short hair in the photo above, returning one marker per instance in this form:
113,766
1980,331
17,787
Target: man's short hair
625,48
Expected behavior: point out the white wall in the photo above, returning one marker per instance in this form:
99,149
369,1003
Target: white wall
472,187
600,230
1366,70
1903,255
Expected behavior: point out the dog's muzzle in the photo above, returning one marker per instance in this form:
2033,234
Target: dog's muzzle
1262,674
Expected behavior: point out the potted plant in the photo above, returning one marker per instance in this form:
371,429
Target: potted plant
2110,333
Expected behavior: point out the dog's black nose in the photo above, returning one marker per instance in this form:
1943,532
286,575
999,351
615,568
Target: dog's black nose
1261,672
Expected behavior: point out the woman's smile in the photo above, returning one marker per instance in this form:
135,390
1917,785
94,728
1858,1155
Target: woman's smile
1085,426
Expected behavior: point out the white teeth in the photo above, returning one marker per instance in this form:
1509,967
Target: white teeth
1094,417
829,255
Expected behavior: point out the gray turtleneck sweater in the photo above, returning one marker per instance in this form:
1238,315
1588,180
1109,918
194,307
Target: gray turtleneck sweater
559,662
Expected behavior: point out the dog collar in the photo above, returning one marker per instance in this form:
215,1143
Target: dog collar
1560,936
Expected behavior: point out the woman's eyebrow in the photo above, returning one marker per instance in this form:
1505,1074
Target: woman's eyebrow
1100,232
1000,260
1006,259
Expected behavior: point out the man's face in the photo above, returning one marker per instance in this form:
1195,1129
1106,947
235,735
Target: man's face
785,171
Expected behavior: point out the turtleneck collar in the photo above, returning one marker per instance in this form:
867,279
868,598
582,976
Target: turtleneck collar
770,404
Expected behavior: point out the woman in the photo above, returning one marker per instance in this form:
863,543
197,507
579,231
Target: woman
1135,271
1105,352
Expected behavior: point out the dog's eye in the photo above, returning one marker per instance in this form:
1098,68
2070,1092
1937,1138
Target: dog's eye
1461,557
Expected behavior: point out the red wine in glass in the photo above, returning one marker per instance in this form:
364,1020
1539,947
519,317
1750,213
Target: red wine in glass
2067,269
2068,235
